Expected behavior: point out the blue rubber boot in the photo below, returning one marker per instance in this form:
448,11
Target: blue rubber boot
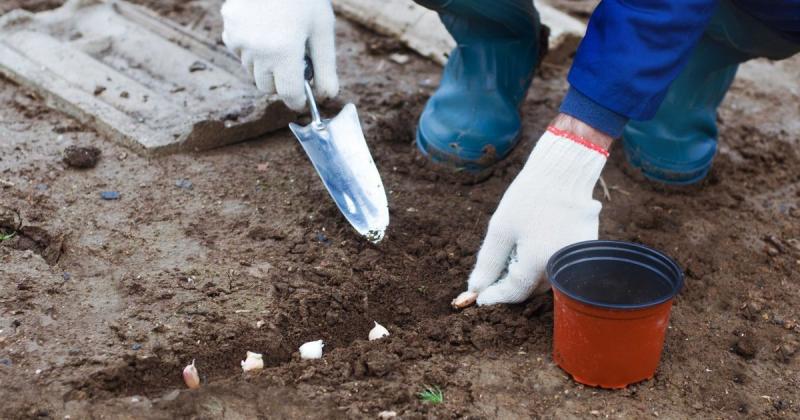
472,120
678,145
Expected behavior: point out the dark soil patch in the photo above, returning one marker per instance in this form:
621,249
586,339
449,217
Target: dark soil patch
256,257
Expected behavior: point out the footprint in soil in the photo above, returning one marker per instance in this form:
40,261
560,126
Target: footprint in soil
33,238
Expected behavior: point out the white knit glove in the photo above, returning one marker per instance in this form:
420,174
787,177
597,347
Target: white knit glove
547,207
271,38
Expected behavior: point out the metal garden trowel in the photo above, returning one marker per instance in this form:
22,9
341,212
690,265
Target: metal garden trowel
339,152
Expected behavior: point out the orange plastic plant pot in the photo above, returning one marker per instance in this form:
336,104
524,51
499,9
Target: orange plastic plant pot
612,307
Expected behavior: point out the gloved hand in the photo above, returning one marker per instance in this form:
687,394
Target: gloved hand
547,207
271,37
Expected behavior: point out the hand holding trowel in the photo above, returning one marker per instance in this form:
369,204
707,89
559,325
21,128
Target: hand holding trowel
339,152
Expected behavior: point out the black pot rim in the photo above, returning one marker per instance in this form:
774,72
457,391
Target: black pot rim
668,267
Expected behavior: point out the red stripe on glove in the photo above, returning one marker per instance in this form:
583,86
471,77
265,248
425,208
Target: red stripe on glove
578,139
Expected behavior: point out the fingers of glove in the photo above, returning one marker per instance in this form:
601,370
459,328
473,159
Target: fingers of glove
322,49
226,39
233,47
492,260
248,62
524,276
289,82
263,77
511,289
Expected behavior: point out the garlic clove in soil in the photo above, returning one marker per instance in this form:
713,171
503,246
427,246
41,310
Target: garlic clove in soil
311,350
377,332
191,377
254,361
465,299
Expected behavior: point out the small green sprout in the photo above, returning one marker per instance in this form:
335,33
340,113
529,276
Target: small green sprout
430,394
5,237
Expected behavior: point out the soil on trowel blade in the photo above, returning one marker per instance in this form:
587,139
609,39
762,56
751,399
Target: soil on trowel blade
206,256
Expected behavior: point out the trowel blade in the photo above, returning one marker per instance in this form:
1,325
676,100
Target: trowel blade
339,153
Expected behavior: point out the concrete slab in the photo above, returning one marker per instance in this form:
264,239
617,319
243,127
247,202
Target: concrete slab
421,30
137,78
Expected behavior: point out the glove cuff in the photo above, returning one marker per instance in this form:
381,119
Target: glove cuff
565,163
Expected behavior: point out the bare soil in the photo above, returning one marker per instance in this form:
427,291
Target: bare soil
102,302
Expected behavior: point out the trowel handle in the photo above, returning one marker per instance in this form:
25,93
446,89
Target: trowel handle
312,103
309,75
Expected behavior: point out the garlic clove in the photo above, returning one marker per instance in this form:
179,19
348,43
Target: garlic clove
191,377
254,361
311,350
465,299
378,331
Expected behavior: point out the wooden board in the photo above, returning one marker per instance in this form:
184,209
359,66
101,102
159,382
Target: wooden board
421,30
137,78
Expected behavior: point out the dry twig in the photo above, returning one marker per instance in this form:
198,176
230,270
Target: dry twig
606,193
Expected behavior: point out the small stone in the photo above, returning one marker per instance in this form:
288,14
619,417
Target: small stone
321,238
81,157
787,350
399,58
184,184
136,346
262,167
197,66
385,415
776,243
109,195
99,90
42,187
124,94
5,362
66,276
171,395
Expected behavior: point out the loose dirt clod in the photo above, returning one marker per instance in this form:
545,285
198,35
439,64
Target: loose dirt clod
745,347
81,157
